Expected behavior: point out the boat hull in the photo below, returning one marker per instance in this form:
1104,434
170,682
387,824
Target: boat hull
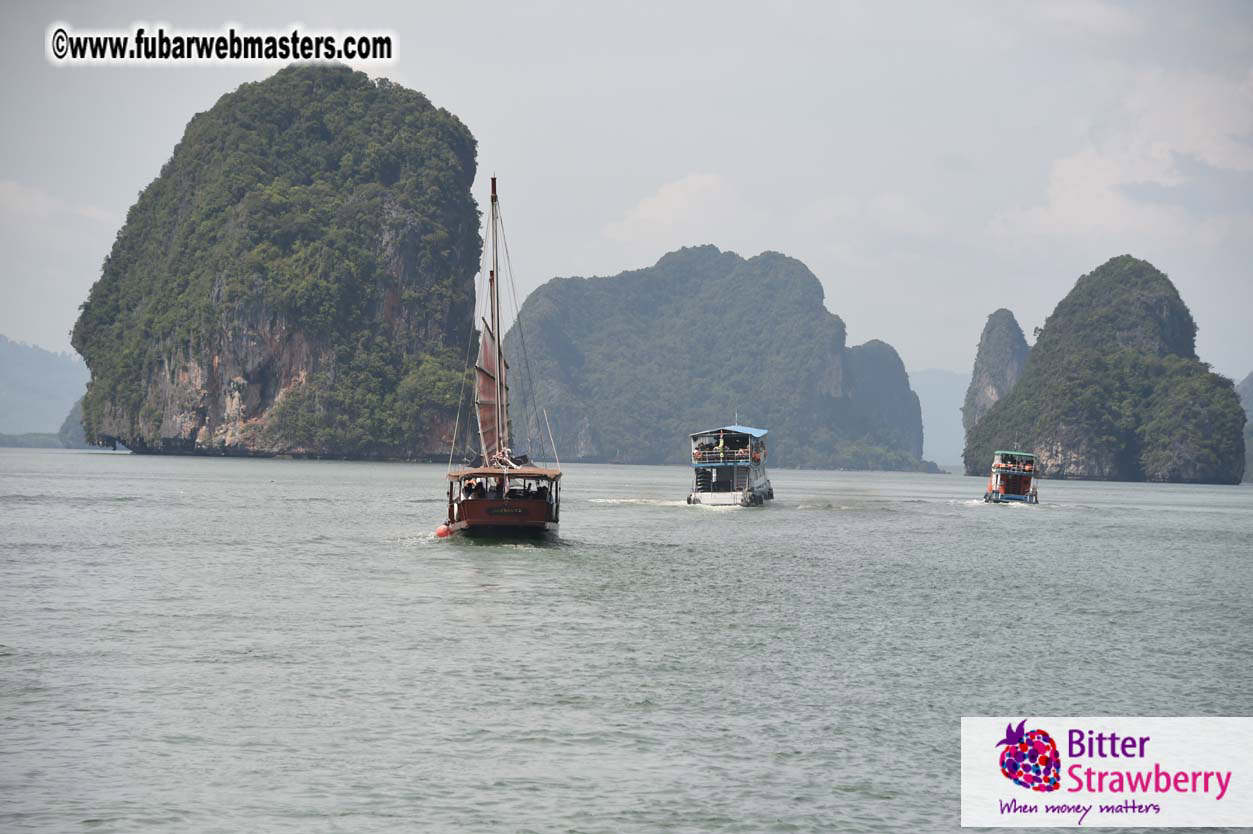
1005,498
756,495
502,517
506,531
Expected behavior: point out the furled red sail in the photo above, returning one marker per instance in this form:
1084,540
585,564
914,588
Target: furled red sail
493,422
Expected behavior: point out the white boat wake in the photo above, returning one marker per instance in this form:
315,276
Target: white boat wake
643,502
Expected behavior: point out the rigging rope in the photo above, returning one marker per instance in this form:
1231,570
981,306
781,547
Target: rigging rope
465,365
526,360
526,396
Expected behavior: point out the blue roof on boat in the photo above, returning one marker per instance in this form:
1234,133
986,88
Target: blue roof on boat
738,429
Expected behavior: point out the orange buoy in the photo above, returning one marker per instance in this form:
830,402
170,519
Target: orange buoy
443,531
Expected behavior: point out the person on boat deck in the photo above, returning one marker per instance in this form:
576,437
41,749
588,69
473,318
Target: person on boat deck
480,491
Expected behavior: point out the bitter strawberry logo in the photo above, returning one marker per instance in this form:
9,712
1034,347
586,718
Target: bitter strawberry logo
1030,758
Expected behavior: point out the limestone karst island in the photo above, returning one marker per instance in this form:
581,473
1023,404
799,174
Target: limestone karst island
1112,389
299,280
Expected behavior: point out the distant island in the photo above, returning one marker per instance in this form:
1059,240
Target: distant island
39,391
1113,390
69,436
298,280
37,387
627,366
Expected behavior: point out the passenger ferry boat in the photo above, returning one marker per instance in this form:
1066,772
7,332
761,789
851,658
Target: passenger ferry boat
1012,478
502,494
729,467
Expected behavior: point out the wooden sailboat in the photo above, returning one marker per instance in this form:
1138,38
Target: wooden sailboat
501,494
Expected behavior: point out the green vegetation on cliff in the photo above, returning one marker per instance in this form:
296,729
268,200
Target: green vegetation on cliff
71,434
373,405
1245,390
298,278
629,366
1113,390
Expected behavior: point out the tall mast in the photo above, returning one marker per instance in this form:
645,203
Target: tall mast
502,439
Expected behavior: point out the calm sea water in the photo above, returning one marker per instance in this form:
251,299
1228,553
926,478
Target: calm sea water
239,645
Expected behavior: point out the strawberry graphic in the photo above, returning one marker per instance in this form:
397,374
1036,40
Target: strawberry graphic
1030,759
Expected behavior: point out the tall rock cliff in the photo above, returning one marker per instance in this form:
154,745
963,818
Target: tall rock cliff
1113,390
299,278
999,362
627,367
1245,390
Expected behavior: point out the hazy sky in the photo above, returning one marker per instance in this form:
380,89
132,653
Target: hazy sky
929,162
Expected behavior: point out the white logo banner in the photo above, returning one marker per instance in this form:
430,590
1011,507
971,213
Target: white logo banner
1120,772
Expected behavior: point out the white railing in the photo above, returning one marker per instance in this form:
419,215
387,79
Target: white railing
725,456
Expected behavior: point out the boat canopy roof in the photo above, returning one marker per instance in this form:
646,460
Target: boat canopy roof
501,471
749,430
1012,452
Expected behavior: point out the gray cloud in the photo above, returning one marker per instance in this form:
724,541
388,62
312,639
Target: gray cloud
1203,190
